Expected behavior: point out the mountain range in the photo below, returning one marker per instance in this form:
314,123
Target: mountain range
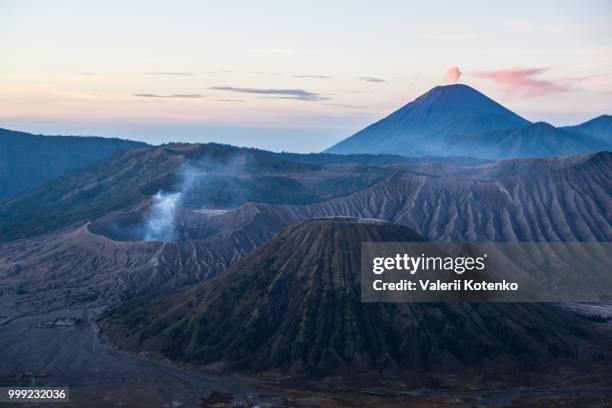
220,176
457,120
260,271
27,160
293,305
599,128
96,239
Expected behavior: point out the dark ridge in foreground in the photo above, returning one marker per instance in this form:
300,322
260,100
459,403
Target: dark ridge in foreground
293,305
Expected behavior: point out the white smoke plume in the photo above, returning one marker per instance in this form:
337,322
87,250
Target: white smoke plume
160,222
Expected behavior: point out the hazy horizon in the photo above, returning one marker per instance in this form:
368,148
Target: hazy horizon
289,77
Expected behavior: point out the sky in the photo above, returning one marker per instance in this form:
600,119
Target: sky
289,75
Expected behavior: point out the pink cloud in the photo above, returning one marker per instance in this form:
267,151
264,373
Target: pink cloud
452,75
521,80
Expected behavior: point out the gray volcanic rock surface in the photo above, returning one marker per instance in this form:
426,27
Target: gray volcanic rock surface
238,318
294,305
551,200
559,199
77,267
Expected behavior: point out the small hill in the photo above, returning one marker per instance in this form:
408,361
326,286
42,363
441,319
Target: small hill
293,305
27,160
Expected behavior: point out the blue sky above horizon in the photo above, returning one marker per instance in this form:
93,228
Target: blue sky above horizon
287,75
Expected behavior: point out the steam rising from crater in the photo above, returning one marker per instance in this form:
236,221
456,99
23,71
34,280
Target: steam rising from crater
160,222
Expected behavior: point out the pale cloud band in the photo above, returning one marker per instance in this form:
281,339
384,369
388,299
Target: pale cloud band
313,76
171,73
298,94
150,95
523,80
372,79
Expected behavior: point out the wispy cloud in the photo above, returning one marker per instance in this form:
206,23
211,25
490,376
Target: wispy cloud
284,51
447,36
171,73
371,79
88,73
523,80
312,76
298,94
150,95
271,50
342,105
265,73
363,113
223,71
526,26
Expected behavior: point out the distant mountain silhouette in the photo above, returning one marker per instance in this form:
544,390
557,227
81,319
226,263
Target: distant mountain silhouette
425,125
27,160
534,140
599,128
457,120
